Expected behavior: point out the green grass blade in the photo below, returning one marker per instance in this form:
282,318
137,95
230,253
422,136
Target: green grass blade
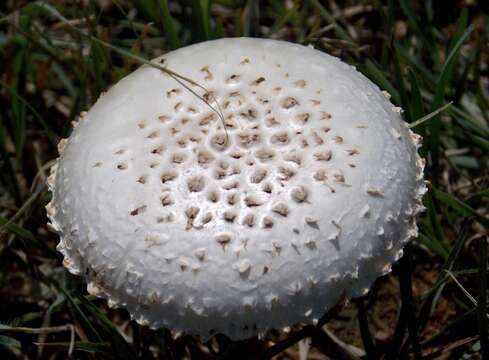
8,178
431,298
428,78
431,115
251,20
330,19
168,24
433,245
400,85
282,20
53,138
23,233
434,221
423,33
460,207
388,18
440,91
10,342
416,103
119,343
86,346
201,16
482,300
81,315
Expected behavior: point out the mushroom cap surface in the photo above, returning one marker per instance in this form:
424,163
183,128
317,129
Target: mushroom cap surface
304,191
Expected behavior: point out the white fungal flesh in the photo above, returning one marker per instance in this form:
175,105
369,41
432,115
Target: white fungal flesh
305,191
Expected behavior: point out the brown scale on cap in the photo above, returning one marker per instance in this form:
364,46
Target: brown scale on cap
281,209
289,102
280,138
163,119
230,123
285,173
317,139
233,79
303,118
320,175
158,150
252,201
323,155
229,216
173,92
213,196
196,183
223,239
292,157
191,214
178,106
249,220
299,194
258,81
168,176
206,120
267,188
142,124
267,222
258,175
271,121
208,74
178,158
248,139
204,157
233,199
250,114
168,218
153,135
220,142
206,218
236,154
231,185
209,96
166,200
139,210
265,154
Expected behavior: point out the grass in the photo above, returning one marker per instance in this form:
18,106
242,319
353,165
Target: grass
430,56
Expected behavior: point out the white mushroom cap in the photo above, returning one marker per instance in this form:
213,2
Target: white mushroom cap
308,194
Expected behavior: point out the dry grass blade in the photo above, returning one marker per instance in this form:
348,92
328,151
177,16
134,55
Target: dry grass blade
467,294
44,330
430,115
181,79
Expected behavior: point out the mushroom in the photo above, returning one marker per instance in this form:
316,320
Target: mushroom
206,228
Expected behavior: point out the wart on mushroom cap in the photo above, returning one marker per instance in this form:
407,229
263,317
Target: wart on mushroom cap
307,192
